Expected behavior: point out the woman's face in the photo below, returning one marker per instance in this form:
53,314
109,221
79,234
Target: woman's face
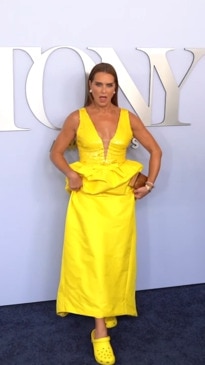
103,88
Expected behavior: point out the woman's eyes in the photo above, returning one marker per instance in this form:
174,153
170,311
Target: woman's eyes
99,84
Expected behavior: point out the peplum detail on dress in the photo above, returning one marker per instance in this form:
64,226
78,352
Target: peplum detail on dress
106,178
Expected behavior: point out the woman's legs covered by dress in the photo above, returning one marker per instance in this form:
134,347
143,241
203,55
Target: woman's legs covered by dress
98,270
98,265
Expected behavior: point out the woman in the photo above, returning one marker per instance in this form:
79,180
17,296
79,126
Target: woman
99,257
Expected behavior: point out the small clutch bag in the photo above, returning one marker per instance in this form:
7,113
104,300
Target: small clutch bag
138,180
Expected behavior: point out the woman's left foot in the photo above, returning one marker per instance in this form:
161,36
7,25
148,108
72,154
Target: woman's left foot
103,351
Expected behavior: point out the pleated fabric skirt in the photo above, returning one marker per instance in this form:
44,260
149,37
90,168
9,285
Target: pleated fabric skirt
98,271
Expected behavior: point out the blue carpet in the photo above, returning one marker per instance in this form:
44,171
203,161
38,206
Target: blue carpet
170,330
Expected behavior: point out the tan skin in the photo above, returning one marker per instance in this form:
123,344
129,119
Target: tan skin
105,117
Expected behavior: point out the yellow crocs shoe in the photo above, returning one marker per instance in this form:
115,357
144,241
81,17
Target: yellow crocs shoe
110,322
103,351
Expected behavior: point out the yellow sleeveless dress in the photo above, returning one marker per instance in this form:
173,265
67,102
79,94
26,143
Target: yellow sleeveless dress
98,272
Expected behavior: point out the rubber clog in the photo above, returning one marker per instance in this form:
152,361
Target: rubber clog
102,349
110,322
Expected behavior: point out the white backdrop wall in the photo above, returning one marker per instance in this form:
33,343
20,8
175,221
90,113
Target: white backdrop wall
32,198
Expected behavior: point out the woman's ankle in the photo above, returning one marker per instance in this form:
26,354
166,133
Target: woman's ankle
100,328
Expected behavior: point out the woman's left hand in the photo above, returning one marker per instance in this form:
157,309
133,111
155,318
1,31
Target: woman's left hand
141,192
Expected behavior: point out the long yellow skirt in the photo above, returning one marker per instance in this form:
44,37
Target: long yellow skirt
98,272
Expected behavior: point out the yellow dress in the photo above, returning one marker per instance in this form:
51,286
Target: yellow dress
98,272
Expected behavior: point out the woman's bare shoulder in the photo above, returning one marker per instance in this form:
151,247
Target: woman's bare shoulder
73,116
135,120
72,120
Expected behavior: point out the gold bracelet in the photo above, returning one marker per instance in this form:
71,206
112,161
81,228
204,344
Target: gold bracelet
149,188
149,183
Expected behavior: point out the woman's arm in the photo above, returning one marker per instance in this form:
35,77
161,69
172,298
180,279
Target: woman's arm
59,147
141,133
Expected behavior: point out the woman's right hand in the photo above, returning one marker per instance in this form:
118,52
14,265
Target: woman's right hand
75,181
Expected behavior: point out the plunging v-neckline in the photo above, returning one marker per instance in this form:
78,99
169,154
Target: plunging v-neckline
97,133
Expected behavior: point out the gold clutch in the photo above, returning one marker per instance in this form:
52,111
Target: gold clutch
138,180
